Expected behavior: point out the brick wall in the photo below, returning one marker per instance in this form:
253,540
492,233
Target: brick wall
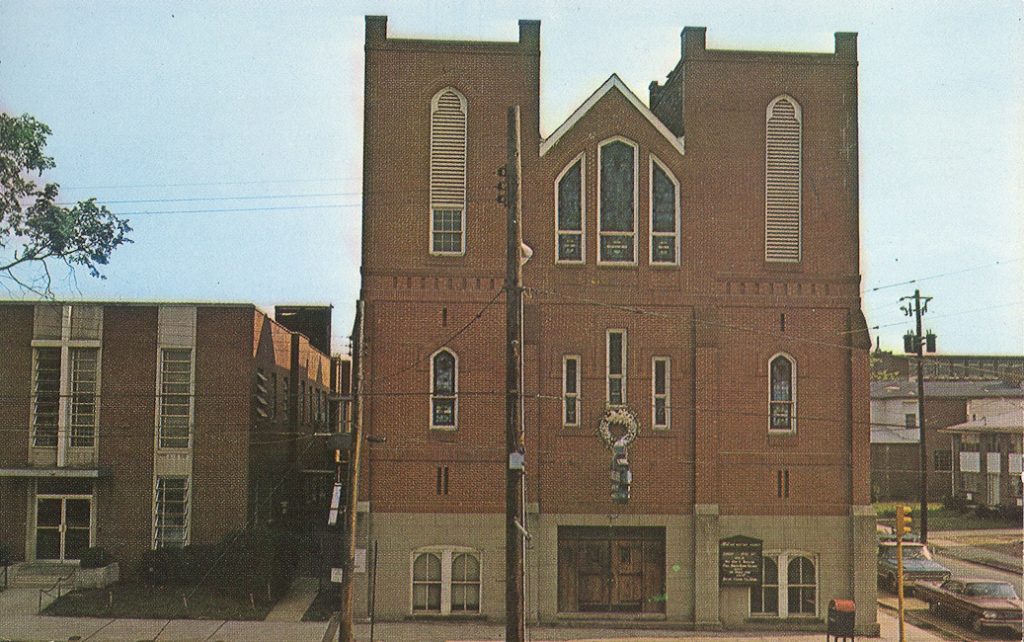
717,315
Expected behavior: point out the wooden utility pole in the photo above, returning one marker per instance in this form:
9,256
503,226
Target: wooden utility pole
352,484
920,419
919,341
514,448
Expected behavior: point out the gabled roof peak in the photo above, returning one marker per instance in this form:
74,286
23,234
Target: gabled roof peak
613,82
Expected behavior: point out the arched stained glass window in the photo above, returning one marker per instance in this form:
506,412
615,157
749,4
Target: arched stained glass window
444,390
782,399
617,217
569,197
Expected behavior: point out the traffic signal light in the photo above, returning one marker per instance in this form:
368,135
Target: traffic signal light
903,520
621,475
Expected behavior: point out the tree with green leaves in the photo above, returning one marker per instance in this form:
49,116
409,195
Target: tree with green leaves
37,230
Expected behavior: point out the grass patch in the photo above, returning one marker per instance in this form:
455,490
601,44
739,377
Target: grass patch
323,606
941,518
137,600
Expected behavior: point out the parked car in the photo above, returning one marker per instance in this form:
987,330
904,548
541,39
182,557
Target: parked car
984,604
918,565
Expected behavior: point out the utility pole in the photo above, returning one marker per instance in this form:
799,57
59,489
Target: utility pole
514,447
352,484
915,343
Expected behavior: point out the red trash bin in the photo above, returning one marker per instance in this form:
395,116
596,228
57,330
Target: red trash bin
841,617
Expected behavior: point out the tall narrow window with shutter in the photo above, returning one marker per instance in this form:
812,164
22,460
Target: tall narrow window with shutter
448,172
783,168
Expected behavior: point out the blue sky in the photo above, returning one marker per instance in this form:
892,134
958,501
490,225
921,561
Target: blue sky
256,108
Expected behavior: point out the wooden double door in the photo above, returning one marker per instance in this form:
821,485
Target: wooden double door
611,569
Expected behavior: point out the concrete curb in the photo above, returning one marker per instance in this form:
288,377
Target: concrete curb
981,560
332,628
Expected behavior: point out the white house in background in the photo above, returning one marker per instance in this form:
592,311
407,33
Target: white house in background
987,453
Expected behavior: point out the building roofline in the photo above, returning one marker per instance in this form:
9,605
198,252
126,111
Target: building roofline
140,303
613,82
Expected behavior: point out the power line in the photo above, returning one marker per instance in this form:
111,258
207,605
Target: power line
246,197
212,183
937,276
940,316
241,209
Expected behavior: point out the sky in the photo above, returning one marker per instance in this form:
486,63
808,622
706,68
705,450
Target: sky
230,135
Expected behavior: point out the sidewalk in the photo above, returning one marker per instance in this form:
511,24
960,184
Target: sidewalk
446,632
96,629
30,627
18,621
293,605
970,546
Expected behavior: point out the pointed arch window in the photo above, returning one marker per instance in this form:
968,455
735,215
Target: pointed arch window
570,206
448,172
783,178
782,394
444,390
617,191
664,215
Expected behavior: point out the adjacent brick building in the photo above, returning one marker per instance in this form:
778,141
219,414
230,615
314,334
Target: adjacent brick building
134,426
694,265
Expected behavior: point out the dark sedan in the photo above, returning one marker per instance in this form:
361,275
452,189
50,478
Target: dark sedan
984,604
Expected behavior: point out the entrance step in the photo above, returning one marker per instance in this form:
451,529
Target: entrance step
39,574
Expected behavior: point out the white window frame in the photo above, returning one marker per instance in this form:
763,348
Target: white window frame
436,207
782,559
650,221
455,391
600,203
156,528
65,344
793,394
447,555
665,396
92,427
566,395
608,367
582,160
160,398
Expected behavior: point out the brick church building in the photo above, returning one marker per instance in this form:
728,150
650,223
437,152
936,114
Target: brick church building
694,284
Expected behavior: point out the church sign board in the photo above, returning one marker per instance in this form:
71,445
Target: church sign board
739,561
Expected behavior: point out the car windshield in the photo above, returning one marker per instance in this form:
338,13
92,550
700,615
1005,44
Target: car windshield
991,589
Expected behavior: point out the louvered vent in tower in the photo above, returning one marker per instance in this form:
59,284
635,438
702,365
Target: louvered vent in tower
448,150
782,181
